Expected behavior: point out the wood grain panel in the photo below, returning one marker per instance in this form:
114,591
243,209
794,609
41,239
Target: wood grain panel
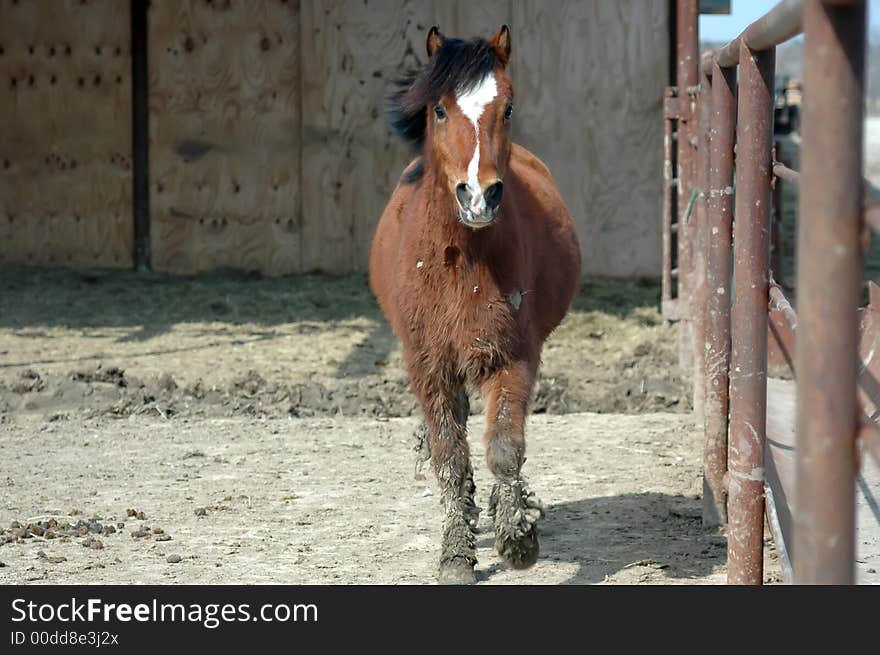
225,136
269,147
589,79
65,148
481,18
350,160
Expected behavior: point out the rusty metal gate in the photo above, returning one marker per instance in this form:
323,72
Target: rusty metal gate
718,282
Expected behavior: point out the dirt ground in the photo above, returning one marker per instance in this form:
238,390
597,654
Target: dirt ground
260,430
227,344
335,500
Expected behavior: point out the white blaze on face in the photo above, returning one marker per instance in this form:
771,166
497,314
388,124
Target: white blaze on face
472,104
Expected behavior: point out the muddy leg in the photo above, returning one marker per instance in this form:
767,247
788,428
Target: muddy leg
446,417
513,506
422,448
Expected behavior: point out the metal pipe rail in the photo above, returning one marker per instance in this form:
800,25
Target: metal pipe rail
733,338
870,207
776,26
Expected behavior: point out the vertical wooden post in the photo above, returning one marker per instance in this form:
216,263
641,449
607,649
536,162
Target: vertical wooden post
140,93
668,205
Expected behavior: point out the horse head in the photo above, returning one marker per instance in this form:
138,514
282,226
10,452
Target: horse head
458,108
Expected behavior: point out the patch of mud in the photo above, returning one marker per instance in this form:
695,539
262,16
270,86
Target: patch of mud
240,345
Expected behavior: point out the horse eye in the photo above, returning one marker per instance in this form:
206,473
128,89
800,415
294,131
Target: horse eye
439,112
508,112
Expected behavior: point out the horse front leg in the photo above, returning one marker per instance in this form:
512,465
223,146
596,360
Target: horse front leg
446,413
422,449
513,506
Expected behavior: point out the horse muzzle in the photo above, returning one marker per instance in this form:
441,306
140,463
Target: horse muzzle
478,208
478,221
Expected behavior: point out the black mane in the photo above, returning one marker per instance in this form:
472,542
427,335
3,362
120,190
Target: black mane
458,66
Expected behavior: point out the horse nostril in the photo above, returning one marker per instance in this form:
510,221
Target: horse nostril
463,194
493,195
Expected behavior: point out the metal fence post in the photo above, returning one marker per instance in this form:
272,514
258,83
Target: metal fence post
719,235
687,50
700,242
828,281
748,370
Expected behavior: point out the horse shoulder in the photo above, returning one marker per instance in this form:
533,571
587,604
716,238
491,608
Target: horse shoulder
542,196
522,159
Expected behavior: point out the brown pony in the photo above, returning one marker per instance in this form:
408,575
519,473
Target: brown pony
474,262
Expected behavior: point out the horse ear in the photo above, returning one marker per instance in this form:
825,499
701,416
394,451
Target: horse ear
501,44
435,41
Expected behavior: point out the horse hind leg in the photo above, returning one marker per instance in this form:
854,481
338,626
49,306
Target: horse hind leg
513,506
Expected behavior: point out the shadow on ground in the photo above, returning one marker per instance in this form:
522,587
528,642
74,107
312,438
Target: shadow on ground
614,535
152,302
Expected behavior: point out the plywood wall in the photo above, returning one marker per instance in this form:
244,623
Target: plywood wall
351,162
65,140
225,136
268,144
589,78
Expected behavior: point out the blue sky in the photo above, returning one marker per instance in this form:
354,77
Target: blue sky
743,12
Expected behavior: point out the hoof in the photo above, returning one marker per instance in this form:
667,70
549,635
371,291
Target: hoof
456,571
516,511
519,553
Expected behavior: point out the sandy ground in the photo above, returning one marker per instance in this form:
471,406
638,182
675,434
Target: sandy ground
247,500
262,430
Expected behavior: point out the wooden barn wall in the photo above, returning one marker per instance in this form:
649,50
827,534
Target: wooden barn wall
589,78
299,125
268,145
65,140
351,162
225,135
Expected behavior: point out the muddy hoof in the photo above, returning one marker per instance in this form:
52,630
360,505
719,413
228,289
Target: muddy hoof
516,511
456,571
519,553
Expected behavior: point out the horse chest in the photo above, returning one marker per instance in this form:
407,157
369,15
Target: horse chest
468,320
